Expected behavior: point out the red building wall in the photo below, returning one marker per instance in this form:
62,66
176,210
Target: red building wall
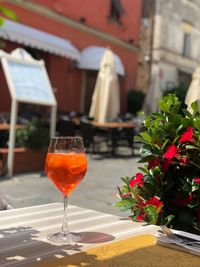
67,80
96,14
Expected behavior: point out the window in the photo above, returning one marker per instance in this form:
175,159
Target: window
116,11
187,29
186,44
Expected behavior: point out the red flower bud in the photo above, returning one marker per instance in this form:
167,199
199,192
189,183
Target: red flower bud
197,180
184,161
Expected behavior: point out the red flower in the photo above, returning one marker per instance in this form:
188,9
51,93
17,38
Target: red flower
153,163
181,201
184,161
138,179
187,136
197,180
171,152
141,217
154,201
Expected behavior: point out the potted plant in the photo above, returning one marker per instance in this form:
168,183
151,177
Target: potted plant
31,147
35,135
166,190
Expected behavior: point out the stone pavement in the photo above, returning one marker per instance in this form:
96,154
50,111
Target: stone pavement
96,191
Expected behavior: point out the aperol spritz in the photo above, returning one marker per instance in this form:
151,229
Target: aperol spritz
65,165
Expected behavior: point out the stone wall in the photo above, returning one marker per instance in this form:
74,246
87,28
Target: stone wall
162,39
145,43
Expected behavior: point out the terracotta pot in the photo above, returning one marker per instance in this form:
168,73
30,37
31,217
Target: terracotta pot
25,160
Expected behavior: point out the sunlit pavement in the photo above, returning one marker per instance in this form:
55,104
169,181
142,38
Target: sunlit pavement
97,191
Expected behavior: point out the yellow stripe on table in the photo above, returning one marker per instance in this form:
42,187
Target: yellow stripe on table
140,251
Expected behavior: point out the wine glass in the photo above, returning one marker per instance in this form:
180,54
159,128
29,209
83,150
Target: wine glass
65,165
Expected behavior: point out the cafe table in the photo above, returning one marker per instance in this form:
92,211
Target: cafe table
112,127
6,126
106,240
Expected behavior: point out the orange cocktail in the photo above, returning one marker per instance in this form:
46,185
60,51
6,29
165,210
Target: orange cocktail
66,170
65,165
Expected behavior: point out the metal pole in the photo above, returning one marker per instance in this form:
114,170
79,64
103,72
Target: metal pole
13,119
53,121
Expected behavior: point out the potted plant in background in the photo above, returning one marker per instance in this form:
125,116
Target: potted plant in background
135,101
31,146
166,189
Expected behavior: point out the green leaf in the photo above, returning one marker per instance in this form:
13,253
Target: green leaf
1,21
148,122
164,144
197,122
193,205
195,106
191,147
179,128
159,209
126,179
187,113
158,115
177,120
133,217
150,184
168,219
146,136
151,214
140,139
163,105
8,13
143,170
186,122
123,205
195,188
147,158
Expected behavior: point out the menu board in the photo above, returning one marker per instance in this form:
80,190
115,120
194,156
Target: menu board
29,83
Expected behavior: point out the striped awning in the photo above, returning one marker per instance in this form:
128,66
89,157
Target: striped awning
29,36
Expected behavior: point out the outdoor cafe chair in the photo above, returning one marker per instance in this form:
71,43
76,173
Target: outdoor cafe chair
125,138
65,127
93,140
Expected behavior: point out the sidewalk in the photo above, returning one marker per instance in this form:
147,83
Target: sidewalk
97,190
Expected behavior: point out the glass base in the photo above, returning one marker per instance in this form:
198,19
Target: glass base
62,237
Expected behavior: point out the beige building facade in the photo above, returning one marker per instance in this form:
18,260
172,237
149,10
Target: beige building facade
170,45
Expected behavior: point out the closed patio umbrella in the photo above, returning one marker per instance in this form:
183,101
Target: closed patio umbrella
106,99
154,93
193,92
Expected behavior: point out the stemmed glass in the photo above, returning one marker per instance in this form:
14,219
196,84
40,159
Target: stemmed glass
65,165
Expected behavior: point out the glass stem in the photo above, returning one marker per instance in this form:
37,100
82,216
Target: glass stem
65,227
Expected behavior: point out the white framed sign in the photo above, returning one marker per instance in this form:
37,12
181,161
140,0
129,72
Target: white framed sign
28,82
27,78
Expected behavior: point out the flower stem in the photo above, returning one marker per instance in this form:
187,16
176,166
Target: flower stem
195,164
